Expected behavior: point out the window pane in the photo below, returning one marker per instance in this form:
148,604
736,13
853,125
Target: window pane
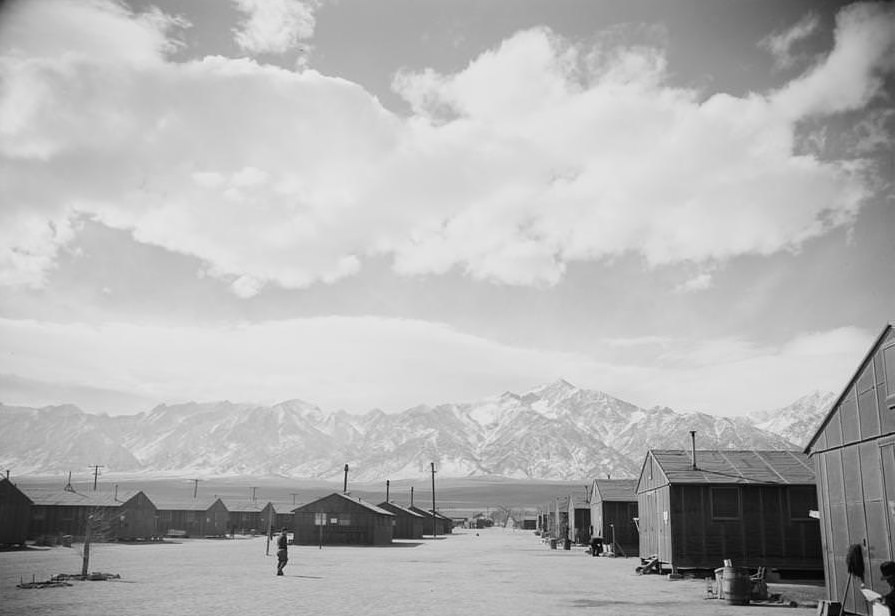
725,503
889,358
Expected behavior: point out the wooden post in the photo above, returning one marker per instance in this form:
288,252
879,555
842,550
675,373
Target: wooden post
269,529
86,562
434,528
96,468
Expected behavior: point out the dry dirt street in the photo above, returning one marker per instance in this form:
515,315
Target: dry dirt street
495,572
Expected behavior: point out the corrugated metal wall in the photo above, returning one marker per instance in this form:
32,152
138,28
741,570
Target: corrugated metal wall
854,456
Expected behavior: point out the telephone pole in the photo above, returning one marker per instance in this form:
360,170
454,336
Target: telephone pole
434,528
96,468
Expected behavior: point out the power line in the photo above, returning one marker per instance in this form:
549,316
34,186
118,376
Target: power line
95,468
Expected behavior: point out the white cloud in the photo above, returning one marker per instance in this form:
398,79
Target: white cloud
359,363
274,26
699,282
355,363
851,75
732,376
538,154
246,286
781,44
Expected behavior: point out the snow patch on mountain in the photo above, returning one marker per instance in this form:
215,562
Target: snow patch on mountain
555,431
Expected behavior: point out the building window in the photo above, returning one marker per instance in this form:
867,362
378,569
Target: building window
802,499
889,360
725,503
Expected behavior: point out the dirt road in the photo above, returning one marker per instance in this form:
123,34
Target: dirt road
493,572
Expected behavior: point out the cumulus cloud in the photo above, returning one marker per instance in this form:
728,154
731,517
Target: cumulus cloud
274,26
540,153
852,74
781,44
360,363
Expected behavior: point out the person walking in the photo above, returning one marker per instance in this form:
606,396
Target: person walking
282,551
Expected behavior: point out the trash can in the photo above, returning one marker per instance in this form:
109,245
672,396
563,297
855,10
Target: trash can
66,541
553,544
736,586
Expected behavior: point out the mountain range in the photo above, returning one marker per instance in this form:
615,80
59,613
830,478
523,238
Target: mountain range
556,431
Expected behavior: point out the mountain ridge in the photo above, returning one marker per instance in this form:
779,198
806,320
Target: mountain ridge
553,432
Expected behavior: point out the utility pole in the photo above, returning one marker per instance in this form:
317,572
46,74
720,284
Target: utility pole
434,528
96,468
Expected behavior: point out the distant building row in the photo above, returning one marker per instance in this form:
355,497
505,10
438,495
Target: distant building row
131,515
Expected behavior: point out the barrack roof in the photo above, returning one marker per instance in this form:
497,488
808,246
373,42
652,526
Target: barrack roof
616,489
188,504
735,466
399,508
354,499
67,498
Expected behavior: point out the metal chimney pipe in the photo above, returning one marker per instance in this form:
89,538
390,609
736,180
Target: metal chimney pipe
387,482
411,496
693,449
345,483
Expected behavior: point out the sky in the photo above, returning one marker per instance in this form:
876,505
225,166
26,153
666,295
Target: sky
383,204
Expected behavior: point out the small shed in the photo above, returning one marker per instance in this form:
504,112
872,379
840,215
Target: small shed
193,517
252,517
579,518
408,524
698,508
15,514
340,519
613,514
561,518
443,525
283,515
124,515
853,452
546,520
480,520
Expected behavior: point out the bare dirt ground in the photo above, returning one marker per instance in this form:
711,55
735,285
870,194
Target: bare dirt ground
492,571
